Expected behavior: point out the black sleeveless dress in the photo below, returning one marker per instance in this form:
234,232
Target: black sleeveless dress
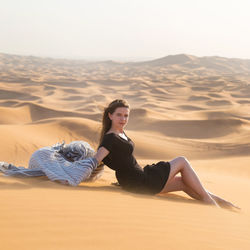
130,175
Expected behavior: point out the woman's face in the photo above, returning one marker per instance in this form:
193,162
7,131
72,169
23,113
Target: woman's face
119,118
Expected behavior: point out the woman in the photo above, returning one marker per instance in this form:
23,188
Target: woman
116,151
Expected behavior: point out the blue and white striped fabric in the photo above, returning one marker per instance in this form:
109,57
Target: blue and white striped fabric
69,164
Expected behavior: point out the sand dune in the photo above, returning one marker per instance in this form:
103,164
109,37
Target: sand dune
180,105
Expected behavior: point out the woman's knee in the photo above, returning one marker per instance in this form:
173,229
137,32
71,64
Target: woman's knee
183,158
177,165
182,161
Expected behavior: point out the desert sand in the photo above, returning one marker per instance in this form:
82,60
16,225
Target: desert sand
198,107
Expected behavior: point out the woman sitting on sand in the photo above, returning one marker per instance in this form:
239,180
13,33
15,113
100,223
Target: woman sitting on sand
116,151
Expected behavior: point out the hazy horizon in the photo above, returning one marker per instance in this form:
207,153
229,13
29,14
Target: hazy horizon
118,59
125,30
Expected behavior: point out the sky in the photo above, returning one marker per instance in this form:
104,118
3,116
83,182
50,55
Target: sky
125,29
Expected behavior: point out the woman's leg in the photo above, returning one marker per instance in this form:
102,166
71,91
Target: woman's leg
191,181
177,184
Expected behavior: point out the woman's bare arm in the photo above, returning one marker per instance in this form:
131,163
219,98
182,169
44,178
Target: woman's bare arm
101,154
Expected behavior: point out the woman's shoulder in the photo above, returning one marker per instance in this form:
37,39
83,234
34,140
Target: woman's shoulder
107,141
108,137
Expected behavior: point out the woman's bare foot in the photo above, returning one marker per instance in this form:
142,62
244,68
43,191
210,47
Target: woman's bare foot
223,203
227,204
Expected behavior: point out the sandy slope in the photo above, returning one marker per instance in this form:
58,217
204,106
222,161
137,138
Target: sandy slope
180,105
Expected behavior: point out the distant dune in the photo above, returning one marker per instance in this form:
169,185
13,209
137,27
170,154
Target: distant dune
180,105
174,97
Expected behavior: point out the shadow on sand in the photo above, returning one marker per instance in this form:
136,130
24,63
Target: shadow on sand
19,183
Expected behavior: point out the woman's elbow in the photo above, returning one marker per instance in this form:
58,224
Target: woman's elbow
98,158
101,154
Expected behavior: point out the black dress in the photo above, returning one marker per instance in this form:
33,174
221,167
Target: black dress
132,177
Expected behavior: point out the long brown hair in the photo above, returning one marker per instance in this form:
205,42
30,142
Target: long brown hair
106,122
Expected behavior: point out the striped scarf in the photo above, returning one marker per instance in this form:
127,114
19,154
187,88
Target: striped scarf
66,163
